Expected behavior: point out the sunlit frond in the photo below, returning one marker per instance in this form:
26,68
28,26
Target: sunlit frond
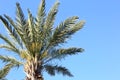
13,31
11,62
20,16
31,30
9,59
76,27
17,32
41,10
22,24
9,42
5,70
7,47
61,32
51,17
40,20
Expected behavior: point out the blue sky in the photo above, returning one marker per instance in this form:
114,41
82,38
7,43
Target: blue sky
99,37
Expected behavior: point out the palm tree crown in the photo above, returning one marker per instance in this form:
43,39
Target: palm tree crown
37,43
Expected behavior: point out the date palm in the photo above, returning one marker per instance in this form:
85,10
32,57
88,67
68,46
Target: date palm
37,42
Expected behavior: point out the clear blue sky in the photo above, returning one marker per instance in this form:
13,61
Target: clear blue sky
100,37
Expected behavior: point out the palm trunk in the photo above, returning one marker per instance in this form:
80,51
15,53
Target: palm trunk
32,78
33,70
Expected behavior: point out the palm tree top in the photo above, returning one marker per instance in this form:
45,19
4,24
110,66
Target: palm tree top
36,42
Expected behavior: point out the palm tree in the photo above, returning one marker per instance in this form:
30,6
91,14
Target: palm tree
37,43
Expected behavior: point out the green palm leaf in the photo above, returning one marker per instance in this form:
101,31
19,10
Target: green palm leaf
9,59
30,31
22,25
52,70
51,17
20,16
5,70
13,30
11,62
7,47
9,42
17,32
62,31
39,21
62,53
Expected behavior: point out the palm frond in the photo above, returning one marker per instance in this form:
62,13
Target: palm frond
7,47
13,31
51,17
9,42
9,59
46,31
6,40
10,20
5,70
60,33
52,70
22,25
62,53
41,10
76,27
40,20
12,63
30,31
6,24
18,32
20,16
